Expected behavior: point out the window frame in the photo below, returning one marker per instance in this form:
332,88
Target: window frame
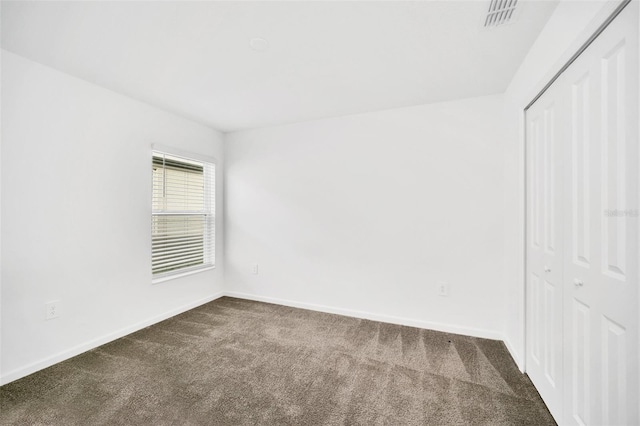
178,273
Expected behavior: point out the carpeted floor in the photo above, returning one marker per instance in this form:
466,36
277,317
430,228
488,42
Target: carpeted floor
237,362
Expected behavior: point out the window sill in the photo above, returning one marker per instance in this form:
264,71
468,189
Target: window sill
180,275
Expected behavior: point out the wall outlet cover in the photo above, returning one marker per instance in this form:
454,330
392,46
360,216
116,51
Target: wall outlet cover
51,310
443,288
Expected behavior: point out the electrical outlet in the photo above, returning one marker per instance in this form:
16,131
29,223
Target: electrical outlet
443,289
254,269
51,310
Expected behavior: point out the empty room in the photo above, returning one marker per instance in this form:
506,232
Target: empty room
320,212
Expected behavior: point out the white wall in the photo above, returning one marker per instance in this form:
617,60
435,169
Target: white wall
76,192
568,28
0,202
364,214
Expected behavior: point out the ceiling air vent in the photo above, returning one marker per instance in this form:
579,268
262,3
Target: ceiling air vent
500,12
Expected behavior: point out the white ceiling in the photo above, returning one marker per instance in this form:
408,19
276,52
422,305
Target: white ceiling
324,58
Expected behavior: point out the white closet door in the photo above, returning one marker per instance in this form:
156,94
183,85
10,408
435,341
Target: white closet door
582,234
601,231
545,134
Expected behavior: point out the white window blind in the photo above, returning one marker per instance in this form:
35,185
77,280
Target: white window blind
183,215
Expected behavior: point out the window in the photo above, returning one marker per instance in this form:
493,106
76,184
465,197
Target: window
183,215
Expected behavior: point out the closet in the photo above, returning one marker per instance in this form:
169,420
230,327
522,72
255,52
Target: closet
582,259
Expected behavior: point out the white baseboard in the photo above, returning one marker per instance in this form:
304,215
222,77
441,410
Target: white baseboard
447,328
516,357
94,343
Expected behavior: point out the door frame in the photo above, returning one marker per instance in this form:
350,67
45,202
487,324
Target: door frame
606,15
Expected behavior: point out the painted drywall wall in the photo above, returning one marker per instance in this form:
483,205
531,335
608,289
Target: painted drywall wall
0,199
568,28
364,215
76,206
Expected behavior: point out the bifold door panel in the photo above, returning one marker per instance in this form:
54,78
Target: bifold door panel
544,261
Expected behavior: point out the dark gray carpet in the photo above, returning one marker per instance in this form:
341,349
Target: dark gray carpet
237,362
